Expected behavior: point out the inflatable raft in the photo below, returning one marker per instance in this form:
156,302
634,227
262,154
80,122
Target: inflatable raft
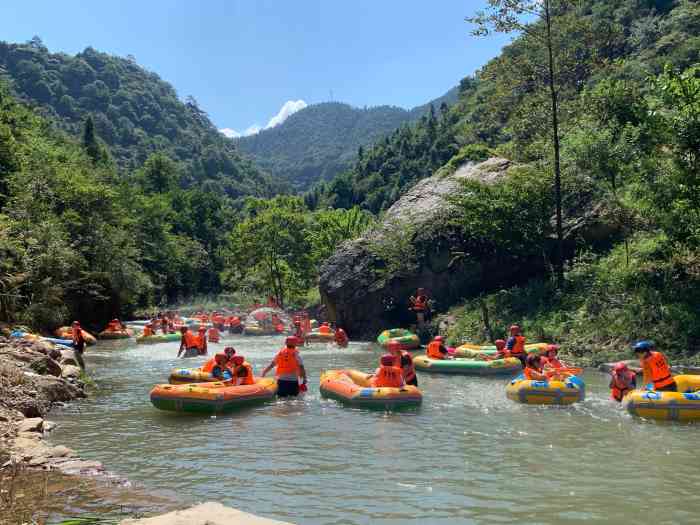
471,351
354,388
683,405
254,329
318,337
567,392
33,337
115,334
407,340
468,367
159,338
211,398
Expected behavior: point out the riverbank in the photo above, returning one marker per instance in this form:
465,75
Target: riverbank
34,377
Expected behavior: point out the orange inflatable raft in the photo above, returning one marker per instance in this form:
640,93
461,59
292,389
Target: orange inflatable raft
212,398
354,388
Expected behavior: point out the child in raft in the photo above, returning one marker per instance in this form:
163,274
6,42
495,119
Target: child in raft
220,371
387,375
501,352
533,370
242,371
437,349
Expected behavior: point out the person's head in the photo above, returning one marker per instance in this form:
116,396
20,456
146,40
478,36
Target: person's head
500,344
202,329
325,323
643,348
387,360
291,342
439,339
552,350
183,329
533,361
115,320
515,330
238,360
620,368
420,291
220,359
76,323
394,347
229,351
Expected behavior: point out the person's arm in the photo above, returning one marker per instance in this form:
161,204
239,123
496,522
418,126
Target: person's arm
269,367
303,374
646,374
182,346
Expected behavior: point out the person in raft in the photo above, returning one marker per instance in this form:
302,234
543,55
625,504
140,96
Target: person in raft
78,343
220,371
202,340
229,352
242,371
550,358
404,361
148,330
437,349
189,343
387,375
657,373
325,329
115,325
622,381
289,368
501,351
516,344
341,338
533,369
419,305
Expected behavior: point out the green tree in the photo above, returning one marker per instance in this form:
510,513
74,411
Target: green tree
90,143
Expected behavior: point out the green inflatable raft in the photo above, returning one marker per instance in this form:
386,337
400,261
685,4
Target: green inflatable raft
468,367
155,339
407,340
470,351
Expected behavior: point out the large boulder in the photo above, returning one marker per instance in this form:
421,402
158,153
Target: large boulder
366,283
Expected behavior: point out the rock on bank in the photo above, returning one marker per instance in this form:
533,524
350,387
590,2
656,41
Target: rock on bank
205,514
366,283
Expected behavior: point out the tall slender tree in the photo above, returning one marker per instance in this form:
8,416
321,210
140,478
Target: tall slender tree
537,19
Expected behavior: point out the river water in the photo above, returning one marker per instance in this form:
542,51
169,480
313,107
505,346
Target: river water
468,455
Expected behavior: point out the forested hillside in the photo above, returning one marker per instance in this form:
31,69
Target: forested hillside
322,140
134,112
504,107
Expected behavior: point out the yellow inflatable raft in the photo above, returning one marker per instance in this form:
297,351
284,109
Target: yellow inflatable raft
567,392
683,405
318,337
471,351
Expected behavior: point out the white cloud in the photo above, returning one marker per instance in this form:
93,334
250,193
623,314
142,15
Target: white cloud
289,108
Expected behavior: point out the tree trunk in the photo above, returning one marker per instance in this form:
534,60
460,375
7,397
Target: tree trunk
486,319
559,266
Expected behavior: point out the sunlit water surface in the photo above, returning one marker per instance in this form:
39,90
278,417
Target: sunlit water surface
468,455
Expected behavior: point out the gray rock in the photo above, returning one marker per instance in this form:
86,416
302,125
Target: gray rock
70,371
37,461
32,424
46,366
60,451
366,283
49,426
68,357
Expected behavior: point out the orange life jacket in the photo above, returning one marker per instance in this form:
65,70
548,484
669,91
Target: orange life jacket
214,335
553,362
621,384
286,361
190,340
434,350
234,321
209,365
324,329
519,346
656,367
148,331
420,303
248,379
533,374
387,377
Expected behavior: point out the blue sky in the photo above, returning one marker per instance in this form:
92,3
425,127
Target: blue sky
247,62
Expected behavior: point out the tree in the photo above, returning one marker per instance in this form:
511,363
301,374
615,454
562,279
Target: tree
508,16
90,144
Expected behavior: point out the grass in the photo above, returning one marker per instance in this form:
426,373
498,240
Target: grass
647,290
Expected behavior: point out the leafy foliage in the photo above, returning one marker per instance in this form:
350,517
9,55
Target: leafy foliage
133,111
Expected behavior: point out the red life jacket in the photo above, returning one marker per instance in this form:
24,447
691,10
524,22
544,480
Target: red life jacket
387,377
621,384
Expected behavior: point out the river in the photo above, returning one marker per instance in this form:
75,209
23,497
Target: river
468,455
